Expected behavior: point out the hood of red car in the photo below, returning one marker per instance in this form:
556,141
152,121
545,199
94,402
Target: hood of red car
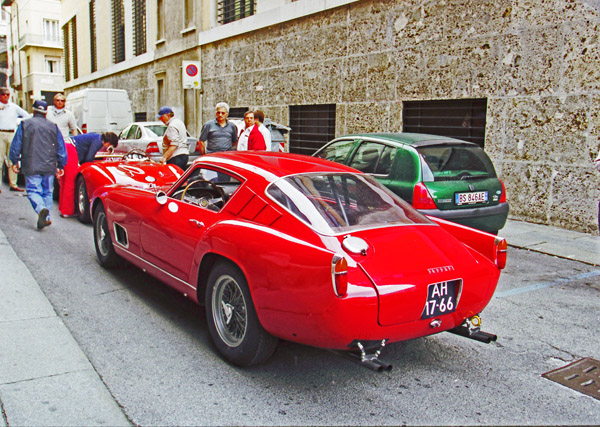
142,173
403,261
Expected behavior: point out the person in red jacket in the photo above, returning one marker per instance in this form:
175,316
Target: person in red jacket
251,138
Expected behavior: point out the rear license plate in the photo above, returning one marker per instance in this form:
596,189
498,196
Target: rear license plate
471,198
441,298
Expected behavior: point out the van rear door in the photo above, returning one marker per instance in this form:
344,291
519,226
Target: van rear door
120,114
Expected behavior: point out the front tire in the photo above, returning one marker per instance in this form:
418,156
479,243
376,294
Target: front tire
232,321
82,202
102,241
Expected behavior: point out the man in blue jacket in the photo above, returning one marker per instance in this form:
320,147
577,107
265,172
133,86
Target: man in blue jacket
88,144
39,146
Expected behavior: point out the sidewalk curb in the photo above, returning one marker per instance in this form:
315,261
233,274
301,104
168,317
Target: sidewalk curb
45,378
553,241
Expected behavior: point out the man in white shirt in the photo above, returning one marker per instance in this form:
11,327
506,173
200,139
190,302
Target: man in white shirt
64,119
175,145
9,115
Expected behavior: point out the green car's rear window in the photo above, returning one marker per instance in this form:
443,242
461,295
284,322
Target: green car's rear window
455,162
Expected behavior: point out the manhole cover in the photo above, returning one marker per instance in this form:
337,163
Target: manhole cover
582,375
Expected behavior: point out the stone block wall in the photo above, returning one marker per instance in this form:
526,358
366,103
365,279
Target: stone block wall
536,62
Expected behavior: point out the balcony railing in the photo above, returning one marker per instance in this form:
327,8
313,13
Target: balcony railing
38,40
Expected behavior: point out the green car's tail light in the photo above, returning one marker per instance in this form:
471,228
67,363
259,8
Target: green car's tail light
503,195
421,198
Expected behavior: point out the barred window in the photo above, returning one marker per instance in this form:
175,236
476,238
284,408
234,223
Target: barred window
93,54
455,118
139,27
233,10
118,31
313,126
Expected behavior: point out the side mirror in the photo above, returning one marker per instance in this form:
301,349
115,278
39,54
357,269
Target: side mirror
161,198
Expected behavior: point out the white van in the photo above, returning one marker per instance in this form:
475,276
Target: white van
100,110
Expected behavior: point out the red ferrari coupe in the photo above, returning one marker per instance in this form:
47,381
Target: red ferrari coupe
133,168
281,246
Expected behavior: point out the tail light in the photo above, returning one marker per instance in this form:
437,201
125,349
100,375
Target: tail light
339,275
421,198
199,147
501,249
84,128
152,148
503,195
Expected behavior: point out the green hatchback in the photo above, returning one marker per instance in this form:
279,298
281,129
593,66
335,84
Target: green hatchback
443,177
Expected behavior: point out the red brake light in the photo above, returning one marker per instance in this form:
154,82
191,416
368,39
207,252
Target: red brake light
339,275
152,148
421,198
503,195
501,249
84,128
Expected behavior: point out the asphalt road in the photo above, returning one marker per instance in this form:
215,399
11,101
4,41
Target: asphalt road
151,348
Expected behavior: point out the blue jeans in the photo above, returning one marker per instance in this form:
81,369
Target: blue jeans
39,191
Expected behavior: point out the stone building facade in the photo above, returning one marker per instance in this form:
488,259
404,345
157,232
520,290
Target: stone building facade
536,63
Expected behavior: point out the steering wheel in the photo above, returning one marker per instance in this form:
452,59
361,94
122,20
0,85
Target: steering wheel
136,154
204,181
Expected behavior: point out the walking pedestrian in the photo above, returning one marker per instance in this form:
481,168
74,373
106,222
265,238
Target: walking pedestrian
9,114
64,119
80,149
219,134
175,145
39,145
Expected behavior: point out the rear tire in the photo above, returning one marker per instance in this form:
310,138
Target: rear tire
102,240
82,202
232,321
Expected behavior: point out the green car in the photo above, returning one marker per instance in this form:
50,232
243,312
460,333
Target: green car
443,177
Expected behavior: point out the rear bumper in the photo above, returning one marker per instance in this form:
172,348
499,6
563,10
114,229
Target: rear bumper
488,218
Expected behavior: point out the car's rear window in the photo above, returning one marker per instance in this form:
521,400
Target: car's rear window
340,202
158,130
455,162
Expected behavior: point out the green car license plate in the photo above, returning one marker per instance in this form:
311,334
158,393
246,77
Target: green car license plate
471,198
441,298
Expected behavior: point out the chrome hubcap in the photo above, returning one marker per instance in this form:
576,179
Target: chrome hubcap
229,311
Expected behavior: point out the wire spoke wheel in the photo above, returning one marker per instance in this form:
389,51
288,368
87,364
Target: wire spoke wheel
229,311
102,236
103,241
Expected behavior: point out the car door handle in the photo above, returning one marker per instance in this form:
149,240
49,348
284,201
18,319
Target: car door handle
199,224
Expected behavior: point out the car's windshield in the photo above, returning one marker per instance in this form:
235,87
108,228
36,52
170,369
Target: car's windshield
455,162
158,130
340,202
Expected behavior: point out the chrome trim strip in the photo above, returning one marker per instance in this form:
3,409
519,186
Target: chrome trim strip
120,247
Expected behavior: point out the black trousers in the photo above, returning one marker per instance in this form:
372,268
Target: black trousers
180,161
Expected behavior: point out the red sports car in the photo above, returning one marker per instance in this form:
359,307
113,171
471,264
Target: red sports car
281,246
133,168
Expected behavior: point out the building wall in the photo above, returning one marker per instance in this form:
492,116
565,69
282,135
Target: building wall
537,63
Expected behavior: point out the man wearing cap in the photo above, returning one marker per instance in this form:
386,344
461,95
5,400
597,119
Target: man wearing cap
40,147
175,145
9,114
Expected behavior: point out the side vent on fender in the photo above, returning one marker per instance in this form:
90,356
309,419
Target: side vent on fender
121,235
